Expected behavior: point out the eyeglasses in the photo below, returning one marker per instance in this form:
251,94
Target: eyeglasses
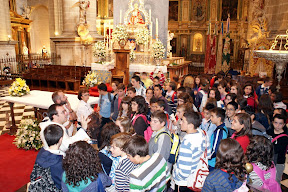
87,94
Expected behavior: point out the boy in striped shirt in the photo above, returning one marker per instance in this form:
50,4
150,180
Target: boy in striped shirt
125,166
191,149
152,173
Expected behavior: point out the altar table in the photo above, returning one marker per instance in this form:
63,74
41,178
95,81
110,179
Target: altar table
40,100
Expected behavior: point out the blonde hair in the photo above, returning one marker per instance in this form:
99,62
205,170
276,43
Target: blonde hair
189,82
119,139
125,122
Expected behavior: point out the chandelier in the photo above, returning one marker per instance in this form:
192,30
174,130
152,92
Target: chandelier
279,55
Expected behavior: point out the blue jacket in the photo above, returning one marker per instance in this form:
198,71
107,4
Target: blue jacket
47,159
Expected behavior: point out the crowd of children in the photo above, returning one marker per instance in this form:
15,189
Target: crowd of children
198,134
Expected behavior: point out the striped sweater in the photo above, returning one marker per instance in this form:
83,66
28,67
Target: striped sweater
191,149
122,174
151,175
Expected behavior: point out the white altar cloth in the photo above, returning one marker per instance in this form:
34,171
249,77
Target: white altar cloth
43,99
146,68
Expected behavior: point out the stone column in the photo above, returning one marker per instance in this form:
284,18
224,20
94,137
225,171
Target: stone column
7,46
70,17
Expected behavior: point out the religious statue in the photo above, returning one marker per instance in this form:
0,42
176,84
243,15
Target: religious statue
83,6
136,17
44,52
26,12
169,47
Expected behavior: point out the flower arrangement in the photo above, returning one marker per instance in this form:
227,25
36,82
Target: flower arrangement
158,50
91,79
99,50
28,135
19,88
120,33
142,36
132,55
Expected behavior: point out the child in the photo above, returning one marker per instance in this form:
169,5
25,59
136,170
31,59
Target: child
280,142
236,88
160,137
116,103
160,77
104,104
214,93
114,86
180,90
206,124
186,98
50,158
241,124
124,123
171,96
125,166
131,92
146,80
231,111
249,95
260,154
221,132
139,118
125,109
149,95
152,173
278,100
263,89
230,172
194,144
83,170
140,90
222,89
229,98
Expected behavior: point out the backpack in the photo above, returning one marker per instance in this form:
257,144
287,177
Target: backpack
196,180
275,140
140,115
268,184
175,140
41,180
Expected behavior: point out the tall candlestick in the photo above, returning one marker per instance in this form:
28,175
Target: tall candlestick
150,15
156,28
109,33
151,30
120,16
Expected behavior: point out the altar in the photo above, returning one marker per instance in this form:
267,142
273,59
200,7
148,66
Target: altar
40,100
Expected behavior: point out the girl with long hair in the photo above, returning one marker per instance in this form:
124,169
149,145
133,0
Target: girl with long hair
214,93
125,107
260,155
82,169
229,173
139,114
265,111
124,123
241,124
248,93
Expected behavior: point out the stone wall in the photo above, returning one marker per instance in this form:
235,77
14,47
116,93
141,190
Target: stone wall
277,15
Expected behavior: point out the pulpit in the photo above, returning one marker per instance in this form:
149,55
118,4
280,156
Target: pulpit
121,70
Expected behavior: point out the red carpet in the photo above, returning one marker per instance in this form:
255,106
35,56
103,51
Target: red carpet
15,164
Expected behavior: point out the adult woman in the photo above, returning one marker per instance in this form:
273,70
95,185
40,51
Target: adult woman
82,169
139,118
241,124
84,109
230,172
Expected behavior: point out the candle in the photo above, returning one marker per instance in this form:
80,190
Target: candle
120,16
150,15
151,30
156,28
109,33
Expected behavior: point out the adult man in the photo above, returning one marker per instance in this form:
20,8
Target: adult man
159,96
59,97
58,115
140,90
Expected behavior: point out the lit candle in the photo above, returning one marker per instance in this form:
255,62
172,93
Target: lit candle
156,28
150,15
151,30
120,16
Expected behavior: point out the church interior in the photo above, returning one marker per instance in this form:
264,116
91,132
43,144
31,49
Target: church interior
54,44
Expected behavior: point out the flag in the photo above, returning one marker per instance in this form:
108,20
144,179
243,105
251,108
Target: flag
208,50
226,50
219,50
212,62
